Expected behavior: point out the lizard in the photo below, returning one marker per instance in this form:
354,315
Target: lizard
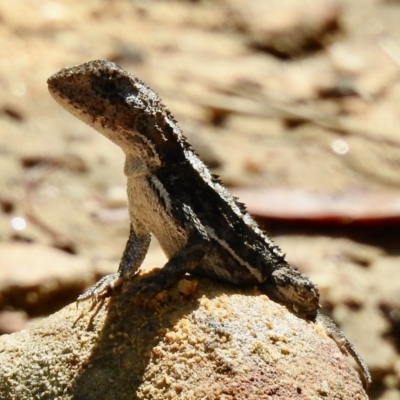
201,227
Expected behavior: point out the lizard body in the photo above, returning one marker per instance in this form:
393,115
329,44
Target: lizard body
201,227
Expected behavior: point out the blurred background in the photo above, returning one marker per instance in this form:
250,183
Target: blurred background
294,103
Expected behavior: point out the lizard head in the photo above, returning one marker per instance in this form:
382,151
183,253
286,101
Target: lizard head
118,105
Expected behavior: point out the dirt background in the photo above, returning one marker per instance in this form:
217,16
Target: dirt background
294,103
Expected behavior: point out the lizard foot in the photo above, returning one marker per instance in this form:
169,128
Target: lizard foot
101,287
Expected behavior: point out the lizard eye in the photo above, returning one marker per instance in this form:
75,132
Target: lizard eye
112,88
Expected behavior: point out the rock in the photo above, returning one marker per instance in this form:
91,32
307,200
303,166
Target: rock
12,321
37,278
220,342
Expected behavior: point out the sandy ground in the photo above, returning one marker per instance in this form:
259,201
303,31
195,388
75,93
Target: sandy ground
293,104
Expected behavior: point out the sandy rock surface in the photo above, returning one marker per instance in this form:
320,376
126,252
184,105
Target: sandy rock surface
217,343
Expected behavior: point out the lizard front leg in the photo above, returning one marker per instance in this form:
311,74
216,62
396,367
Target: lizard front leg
185,259
135,250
